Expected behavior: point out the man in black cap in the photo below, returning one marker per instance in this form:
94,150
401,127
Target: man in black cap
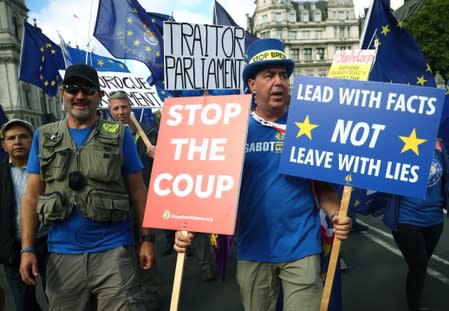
16,141
83,174
278,242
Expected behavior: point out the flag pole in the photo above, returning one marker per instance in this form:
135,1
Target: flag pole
177,279
336,244
365,25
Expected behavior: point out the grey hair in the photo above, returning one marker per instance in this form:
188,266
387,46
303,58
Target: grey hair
118,95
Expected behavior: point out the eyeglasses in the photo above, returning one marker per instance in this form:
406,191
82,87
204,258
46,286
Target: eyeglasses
74,89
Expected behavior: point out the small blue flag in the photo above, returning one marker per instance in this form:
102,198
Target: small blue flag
100,63
40,60
399,59
126,31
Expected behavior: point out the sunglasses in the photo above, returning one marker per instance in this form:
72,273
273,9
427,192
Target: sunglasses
74,89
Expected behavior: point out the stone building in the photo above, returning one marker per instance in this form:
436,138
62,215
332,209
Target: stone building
311,30
19,99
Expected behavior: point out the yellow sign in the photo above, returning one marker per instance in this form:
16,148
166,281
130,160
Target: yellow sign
352,65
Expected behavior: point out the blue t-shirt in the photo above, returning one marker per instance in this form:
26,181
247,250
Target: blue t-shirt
429,211
278,217
79,234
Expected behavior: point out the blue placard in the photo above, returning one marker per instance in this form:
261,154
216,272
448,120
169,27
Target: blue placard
370,135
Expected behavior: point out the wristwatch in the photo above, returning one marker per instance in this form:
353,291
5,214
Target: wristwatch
147,238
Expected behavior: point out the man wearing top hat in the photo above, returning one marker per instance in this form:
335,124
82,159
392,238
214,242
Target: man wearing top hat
83,174
278,240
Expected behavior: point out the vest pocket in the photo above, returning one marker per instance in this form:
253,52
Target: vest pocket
51,208
102,166
104,205
55,165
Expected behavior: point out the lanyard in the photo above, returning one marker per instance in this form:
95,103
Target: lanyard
278,127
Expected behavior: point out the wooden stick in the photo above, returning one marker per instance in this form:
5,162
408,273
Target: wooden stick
177,279
140,130
335,252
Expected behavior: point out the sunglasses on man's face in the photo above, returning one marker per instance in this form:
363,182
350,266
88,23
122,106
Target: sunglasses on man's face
74,89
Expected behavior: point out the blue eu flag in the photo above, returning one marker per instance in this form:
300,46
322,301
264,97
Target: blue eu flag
100,63
221,17
158,20
398,59
126,31
40,60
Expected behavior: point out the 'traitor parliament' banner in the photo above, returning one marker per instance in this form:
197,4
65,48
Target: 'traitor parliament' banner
370,135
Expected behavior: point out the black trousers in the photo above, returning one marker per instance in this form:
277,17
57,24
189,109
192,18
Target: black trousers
417,245
25,295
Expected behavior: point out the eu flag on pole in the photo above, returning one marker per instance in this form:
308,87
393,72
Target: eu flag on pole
399,59
221,17
100,63
126,31
158,20
40,60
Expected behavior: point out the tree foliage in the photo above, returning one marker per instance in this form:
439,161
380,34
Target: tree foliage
430,27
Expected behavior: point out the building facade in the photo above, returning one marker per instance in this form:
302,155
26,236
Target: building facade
19,99
312,31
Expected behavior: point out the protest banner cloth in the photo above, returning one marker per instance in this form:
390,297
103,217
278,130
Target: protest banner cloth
140,93
352,65
204,57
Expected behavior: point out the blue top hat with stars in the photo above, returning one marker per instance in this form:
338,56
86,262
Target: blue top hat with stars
266,53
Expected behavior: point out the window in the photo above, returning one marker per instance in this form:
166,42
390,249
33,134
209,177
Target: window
279,33
294,54
341,15
292,17
292,35
307,55
318,34
305,16
319,54
317,16
305,35
278,17
341,2
341,32
264,19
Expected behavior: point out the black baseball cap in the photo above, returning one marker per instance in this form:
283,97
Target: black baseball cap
83,71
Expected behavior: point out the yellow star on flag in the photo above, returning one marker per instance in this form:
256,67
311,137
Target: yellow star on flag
377,43
447,91
400,24
428,68
136,42
129,20
305,128
130,33
412,142
100,62
421,80
385,30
